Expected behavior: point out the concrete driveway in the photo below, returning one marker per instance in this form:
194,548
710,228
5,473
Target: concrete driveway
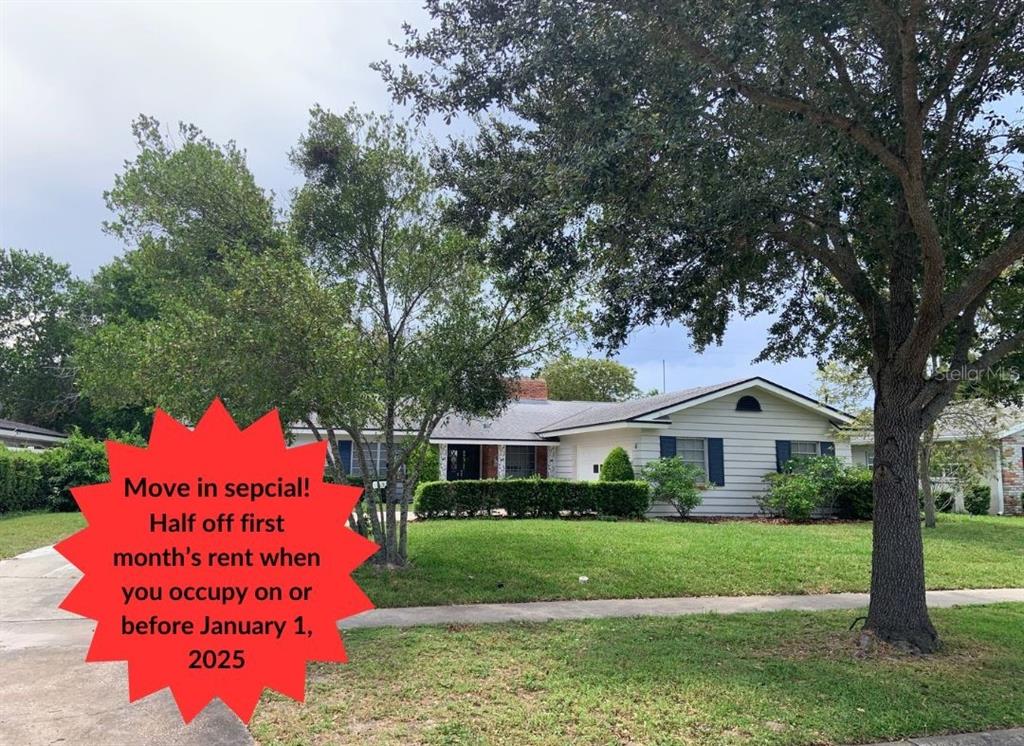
49,694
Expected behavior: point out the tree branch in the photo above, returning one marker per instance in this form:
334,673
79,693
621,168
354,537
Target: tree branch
927,324
985,273
847,127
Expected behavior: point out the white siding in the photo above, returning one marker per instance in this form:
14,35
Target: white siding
748,444
565,465
861,453
748,441
578,453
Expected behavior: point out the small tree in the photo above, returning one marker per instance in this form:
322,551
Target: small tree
675,482
617,467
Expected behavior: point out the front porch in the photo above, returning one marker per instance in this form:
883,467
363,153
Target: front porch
495,460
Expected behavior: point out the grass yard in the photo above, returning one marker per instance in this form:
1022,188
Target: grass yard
20,532
782,678
475,561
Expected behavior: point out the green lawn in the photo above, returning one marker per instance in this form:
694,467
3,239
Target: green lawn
476,561
20,532
782,678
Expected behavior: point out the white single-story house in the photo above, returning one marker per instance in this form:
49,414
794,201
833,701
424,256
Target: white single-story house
22,436
736,431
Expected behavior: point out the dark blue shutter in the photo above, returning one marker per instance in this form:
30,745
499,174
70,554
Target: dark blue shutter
345,452
668,446
783,453
716,462
827,448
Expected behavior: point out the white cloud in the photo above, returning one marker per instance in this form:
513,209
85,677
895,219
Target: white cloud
74,75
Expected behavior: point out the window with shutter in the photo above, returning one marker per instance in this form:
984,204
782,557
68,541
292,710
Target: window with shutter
693,451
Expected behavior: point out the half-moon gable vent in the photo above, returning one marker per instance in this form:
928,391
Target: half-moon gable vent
748,404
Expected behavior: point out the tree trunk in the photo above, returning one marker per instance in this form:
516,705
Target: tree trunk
898,612
927,495
370,497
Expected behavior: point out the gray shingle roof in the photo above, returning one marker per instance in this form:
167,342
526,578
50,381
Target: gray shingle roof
536,419
24,427
520,420
633,408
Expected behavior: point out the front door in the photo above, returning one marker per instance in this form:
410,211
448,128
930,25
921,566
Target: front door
589,460
463,462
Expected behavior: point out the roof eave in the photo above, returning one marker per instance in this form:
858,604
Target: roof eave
612,425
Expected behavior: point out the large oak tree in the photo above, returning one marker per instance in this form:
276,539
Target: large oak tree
840,164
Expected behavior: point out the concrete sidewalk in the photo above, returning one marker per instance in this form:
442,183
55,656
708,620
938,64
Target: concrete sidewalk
546,611
49,694
1014,737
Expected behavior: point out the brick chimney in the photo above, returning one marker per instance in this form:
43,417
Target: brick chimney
529,388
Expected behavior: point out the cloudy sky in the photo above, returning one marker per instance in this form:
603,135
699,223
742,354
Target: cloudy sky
74,74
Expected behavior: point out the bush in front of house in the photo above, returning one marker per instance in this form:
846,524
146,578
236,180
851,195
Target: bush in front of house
532,497
21,481
675,482
978,499
791,495
617,467
851,494
804,487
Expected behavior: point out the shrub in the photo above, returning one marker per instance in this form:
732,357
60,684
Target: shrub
617,467
674,482
791,495
851,495
452,499
21,483
626,499
531,498
944,501
804,486
978,499
80,460
580,499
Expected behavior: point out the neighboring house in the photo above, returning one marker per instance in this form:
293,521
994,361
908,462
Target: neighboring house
20,435
1009,492
1005,475
736,432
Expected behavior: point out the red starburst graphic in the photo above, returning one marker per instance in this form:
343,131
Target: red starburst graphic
216,562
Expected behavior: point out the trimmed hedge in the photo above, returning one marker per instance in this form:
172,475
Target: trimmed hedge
531,498
21,481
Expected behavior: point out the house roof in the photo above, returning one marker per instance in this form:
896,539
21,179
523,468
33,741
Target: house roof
22,430
536,420
521,420
632,409
540,421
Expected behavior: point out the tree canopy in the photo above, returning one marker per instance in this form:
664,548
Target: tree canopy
357,312
38,325
844,166
588,379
